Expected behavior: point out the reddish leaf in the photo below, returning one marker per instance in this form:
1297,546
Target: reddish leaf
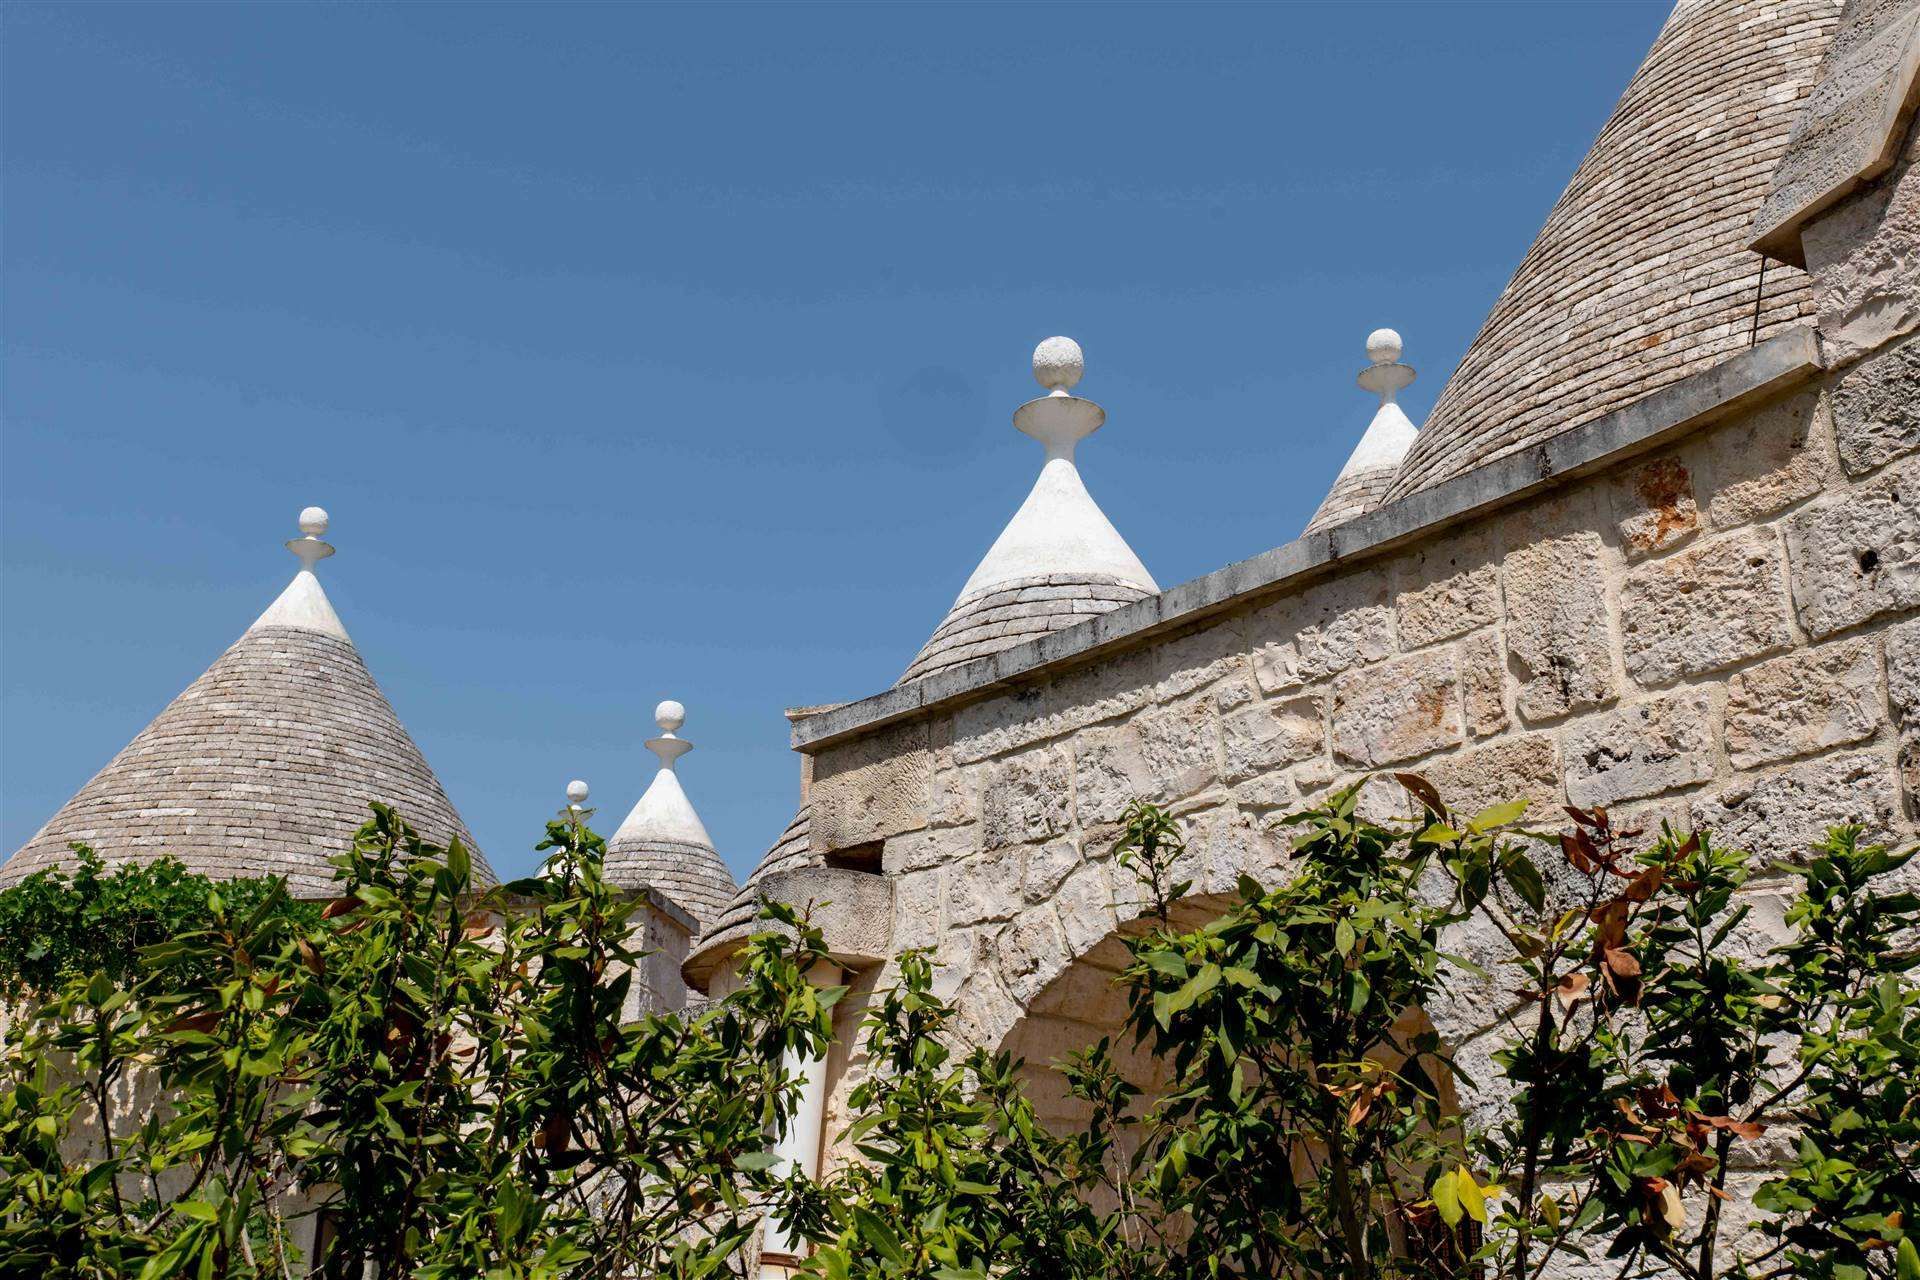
205,1020
310,956
1644,885
1423,791
340,907
1579,850
1738,1128
1622,962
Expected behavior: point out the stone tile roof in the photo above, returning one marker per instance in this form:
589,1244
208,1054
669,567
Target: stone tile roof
264,765
1642,274
691,874
791,852
1006,613
1354,493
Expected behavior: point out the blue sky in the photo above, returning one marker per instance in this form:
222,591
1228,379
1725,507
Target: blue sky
669,351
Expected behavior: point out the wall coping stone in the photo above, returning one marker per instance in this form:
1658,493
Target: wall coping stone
1759,373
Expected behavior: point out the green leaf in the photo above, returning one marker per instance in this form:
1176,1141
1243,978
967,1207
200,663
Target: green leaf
1498,815
1906,1260
1446,1198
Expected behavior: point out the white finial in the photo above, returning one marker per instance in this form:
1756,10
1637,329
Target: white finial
1383,346
309,547
669,715
1385,376
1058,364
576,793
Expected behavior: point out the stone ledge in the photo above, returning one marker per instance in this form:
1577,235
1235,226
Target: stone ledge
1757,374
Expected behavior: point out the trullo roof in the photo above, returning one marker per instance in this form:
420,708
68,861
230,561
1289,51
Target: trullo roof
1642,274
265,765
1059,561
663,844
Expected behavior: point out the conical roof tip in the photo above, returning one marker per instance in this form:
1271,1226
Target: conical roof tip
266,764
1368,474
1059,561
662,844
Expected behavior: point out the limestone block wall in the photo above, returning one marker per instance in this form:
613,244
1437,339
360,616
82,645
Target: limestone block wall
1722,630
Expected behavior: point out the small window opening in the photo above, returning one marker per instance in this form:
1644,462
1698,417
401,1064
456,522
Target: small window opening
859,857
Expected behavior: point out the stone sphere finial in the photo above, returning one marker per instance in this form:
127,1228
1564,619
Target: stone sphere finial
1058,364
576,792
670,715
1383,346
313,521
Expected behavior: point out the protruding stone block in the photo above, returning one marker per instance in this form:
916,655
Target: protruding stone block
1876,409
1181,746
1025,799
1654,506
872,787
1320,633
1558,638
1110,770
1447,589
1780,815
1640,750
1856,555
1397,710
1765,461
1272,735
1483,683
1803,703
1903,691
1520,768
1704,608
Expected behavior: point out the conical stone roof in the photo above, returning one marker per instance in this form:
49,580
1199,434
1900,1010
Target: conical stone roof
1642,274
1369,471
663,844
1059,561
265,765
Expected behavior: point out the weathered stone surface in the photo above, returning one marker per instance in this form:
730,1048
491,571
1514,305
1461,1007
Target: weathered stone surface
985,887
1185,663
1110,770
1272,736
1803,703
1856,555
1903,691
1025,799
1045,867
1704,608
1779,815
1181,747
917,898
1861,254
1558,637
1655,507
1876,409
1397,710
1320,632
924,850
1765,461
872,788
1084,902
1483,683
1640,750
1028,954
1521,768
1447,589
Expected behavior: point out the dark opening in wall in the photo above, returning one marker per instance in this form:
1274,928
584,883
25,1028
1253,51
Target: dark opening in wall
859,857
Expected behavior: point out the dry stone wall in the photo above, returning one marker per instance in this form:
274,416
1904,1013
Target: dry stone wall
1721,633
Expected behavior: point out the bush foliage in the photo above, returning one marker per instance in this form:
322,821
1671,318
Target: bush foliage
449,1082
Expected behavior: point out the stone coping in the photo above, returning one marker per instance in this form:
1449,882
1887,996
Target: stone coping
1754,375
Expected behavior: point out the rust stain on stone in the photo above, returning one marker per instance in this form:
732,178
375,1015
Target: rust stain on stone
1666,491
